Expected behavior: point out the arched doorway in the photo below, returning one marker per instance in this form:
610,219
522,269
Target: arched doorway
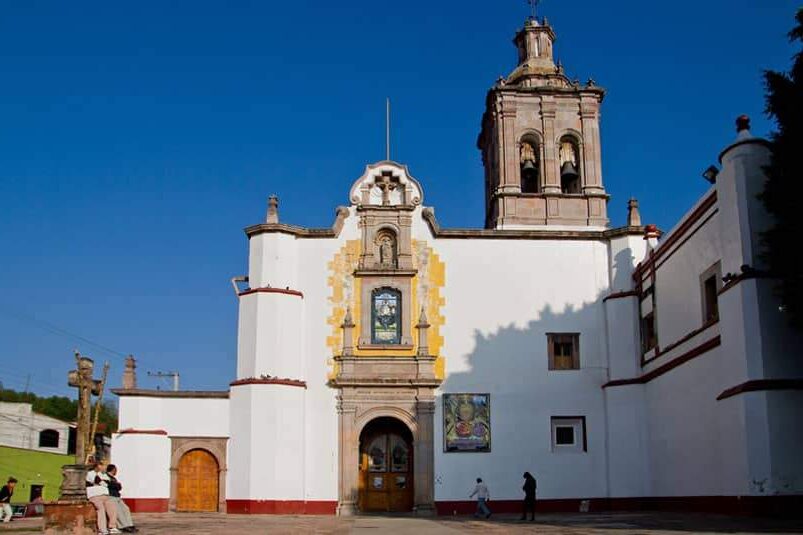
386,466
197,482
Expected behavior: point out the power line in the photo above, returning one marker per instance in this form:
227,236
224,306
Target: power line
61,332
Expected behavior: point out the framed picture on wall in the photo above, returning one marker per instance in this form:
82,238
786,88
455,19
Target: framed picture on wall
466,422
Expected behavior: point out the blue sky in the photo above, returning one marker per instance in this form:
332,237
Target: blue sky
137,140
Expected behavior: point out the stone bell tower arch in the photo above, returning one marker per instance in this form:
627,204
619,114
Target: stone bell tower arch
385,369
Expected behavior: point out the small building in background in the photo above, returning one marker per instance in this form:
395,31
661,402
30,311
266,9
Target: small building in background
34,447
21,427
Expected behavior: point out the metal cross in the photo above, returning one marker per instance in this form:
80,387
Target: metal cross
533,5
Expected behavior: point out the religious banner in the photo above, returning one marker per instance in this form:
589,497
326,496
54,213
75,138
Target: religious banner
466,422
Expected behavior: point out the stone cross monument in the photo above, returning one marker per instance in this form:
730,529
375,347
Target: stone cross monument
72,485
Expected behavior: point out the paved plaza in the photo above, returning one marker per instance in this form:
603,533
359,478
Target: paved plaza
558,524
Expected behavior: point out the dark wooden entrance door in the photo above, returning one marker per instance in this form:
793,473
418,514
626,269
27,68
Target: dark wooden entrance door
197,482
386,467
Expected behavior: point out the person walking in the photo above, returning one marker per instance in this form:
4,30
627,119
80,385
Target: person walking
124,520
6,512
481,491
529,496
97,490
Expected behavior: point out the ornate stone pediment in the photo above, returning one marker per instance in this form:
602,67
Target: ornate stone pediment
386,184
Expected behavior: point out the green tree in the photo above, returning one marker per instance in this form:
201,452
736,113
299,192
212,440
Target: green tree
783,191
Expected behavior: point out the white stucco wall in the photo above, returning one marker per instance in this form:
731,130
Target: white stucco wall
143,463
266,451
183,417
497,316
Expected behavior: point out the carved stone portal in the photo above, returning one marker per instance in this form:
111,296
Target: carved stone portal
402,388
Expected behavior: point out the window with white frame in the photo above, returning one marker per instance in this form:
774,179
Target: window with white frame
569,434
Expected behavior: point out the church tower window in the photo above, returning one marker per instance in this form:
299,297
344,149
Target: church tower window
569,155
386,316
529,164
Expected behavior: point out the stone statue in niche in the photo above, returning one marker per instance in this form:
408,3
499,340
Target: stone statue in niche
567,153
387,250
527,152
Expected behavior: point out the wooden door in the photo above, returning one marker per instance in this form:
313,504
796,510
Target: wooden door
386,473
197,482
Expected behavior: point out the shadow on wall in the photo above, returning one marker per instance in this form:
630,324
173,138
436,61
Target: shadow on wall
512,365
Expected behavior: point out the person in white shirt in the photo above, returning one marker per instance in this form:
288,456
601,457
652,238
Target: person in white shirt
481,491
97,490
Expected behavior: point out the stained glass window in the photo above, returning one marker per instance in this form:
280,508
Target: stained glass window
386,316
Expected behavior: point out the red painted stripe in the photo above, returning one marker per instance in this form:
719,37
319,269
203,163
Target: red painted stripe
269,290
619,295
146,505
671,365
280,507
142,432
269,381
761,385
779,505
685,227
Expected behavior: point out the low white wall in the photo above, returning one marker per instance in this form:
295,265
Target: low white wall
143,463
183,417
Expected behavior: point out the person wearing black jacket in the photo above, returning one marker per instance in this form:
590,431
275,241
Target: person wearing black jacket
529,496
124,519
5,500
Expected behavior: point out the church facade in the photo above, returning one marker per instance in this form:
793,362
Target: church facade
386,362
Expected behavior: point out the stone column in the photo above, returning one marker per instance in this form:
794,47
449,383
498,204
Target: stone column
551,180
349,458
424,458
509,181
591,176
348,330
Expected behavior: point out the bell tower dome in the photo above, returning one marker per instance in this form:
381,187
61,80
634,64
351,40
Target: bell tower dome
540,142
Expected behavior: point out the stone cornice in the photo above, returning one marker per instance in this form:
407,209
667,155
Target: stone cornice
301,232
339,382
539,234
283,381
139,392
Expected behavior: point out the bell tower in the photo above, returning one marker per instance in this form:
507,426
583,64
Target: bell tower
540,142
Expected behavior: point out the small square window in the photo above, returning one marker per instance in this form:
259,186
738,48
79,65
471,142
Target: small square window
564,435
564,351
569,434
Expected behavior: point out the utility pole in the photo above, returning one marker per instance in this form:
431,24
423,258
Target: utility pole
165,375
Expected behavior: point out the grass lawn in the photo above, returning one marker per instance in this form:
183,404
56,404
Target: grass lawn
32,468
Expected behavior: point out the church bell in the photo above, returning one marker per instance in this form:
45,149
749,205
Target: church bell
568,171
528,165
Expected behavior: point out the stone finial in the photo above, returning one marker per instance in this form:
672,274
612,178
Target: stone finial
633,215
273,209
423,336
651,234
742,123
348,329
130,373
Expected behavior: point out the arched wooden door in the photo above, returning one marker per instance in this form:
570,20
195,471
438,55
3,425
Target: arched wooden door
197,482
386,467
